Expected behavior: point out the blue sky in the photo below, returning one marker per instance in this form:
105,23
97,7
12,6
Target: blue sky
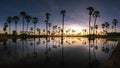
76,13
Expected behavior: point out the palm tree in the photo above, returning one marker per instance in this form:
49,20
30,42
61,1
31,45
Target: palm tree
31,30
112,28
107,26
90,9
47,21
15,20
9,20
96,27
114,22
5,27
63,14
38,31
103,26
96,14
28,19
34,20
23,15
54,29
59,29
49,24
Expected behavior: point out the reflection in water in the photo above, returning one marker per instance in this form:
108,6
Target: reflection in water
56,52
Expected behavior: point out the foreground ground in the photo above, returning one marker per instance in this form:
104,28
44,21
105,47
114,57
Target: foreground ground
114,61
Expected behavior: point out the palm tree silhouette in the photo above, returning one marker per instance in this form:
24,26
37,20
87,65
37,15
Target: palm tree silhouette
63,14
59,30
9,20
90,9
15,20
47,20
103,26
5,27
96,27
35,20
28,19
38,31
107,26
23,15
95,15
49,24
31,30
115,22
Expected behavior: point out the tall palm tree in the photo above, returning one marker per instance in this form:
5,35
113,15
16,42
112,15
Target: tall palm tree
91,10
9,20
96,14
15,20
115,22
47,21
62,12
34,20
107,26
23,15
28,19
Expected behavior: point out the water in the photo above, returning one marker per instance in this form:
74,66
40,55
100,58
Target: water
39,52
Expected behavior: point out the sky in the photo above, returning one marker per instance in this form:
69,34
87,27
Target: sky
76,16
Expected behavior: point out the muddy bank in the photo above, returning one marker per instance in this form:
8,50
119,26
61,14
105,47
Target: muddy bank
114,61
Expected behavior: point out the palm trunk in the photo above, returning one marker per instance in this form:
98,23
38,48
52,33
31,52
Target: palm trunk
23,24
9,28
94,25
62,25
47,28
115,28
16,27
89,24
96,31
27,26
34,29
39,33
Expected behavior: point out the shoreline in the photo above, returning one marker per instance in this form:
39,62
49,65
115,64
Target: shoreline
113,61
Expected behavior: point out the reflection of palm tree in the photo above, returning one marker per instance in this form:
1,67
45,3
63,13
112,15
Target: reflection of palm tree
23,15
114,22
16,19
62,54
95,15
46,52
90,9
90,64
28,18
35,20
34,53
9,20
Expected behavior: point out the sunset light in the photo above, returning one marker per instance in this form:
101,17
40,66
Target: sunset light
59,33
